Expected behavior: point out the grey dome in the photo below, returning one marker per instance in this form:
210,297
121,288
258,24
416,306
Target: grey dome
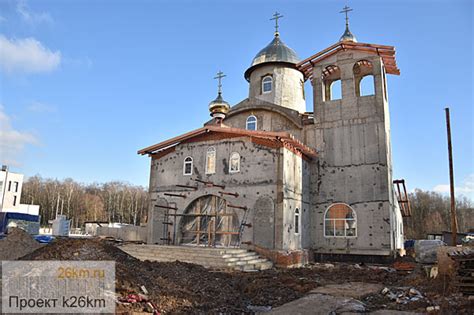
276,51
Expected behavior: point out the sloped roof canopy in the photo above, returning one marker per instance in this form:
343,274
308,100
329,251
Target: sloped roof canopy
387,53
279,139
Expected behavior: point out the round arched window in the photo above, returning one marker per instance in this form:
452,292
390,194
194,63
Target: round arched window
188,166
267,84
340,221
251,123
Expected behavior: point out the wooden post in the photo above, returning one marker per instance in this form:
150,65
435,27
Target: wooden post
454,222
198,223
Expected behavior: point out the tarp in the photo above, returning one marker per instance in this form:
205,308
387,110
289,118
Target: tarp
44,238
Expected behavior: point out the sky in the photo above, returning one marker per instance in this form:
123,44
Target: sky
85,84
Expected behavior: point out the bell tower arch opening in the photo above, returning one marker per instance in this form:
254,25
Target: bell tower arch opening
364,78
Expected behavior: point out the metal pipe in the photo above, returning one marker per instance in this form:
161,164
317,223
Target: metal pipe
236,195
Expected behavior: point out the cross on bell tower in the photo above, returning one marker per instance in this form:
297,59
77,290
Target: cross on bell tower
347,36
276,17
346,10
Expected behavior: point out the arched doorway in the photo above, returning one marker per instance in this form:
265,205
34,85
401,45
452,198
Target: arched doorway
208,221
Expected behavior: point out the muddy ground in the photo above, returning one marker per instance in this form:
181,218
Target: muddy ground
187,288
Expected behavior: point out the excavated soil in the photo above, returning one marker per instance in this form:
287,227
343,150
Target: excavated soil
16,244
179,287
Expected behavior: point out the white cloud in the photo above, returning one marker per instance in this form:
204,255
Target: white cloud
27,56
466,189
30,16
12,142
39,107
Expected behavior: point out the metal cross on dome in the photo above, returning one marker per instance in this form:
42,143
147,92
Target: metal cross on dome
346,10
219,77
275,17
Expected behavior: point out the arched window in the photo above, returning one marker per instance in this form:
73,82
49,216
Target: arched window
234,163
267,84
251,123
188,166
332,83
335,90
363,78
211,160
340,221
297,221
367,85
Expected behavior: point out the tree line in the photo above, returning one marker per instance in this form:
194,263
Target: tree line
125,203
431,213
112,202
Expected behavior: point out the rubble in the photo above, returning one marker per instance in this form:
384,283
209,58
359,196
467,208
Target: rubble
401,295
430,309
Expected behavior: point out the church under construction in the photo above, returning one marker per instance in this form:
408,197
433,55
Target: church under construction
268,175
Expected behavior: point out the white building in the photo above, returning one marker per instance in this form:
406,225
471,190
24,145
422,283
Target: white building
11,185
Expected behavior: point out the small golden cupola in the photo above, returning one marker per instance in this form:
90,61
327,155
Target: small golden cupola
347,36
218,107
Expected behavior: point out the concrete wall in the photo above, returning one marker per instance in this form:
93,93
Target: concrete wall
288,90
126,233
266,120
257,178
268,191
352,136
10,192
295,196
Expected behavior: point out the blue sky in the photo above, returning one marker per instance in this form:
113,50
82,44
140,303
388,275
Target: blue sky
85,84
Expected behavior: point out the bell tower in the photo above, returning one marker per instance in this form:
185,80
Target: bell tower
352,136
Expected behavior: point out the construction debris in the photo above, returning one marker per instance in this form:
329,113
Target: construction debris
464,269
177,287
402,295
426,250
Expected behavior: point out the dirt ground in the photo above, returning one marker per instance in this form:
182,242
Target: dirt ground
187,288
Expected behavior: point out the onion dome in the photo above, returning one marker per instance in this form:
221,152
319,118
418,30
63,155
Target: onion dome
348,36
275,52
218,107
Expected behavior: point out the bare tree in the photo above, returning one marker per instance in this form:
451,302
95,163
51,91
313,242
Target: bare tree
113,201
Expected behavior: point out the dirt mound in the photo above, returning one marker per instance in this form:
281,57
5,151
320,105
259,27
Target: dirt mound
178,287
16,244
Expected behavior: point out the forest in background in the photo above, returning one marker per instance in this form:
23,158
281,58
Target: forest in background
431,214
125,203
113,201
